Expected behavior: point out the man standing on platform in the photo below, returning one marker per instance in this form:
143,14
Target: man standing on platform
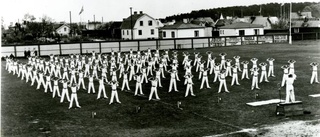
290,89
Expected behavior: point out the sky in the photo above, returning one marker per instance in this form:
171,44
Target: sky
111,10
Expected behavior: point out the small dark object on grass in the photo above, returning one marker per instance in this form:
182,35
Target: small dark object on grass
306,112
93,114
138,109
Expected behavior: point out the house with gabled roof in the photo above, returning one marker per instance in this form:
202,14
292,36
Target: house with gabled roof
266,22
182,30
63,29
143,27
241,29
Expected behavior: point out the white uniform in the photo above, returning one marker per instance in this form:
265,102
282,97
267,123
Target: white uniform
125,81
285,75
154,84
222,79
205,78
114,92
314,76
74,96
245,70
234,75
216,71
55,88
138,85
64,91
189,84
48,84
173,81
263,72
101,89
255,74
291,66
290,89
223,60
91,86
271,67
80,80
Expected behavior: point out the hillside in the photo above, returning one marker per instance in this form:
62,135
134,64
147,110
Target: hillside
270,9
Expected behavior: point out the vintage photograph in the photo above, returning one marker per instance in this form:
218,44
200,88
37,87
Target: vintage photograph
160,68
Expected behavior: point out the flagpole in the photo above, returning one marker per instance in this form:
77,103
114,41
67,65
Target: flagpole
290,37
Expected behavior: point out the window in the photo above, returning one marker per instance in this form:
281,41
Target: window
127,32
140,32
256,31
141,23
150,22
65,29
241,32
196,33
152,31
296,30
172,34
221,31
164,34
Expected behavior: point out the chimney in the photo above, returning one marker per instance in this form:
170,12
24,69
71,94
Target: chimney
135,13
185,20
141,12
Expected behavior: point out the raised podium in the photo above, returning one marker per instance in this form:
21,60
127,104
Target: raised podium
289,109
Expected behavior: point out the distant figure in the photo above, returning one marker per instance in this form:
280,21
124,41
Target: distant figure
314,76
25,53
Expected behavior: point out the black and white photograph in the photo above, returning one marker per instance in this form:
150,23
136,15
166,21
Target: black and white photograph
160,68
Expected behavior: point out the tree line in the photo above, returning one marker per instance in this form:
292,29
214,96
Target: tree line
270,9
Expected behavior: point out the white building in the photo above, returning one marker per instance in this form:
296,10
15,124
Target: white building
143,26
241,29
267,22
63,30
182,30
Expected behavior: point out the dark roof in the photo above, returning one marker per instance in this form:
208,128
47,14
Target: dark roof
126,24
223,22
181,25
239,25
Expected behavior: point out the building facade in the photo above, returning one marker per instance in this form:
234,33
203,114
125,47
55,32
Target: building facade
182,30
241,29
143,27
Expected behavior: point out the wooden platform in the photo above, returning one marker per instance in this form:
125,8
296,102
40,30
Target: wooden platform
289,109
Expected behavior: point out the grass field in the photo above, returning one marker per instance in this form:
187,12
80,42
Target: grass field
30,112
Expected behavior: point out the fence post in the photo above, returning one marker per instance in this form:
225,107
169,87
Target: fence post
209,45
15,50
273,39
80,49
100,47
241,40
39,50
301,36
225,41
119,45
257,39
174,44
138,45
192,43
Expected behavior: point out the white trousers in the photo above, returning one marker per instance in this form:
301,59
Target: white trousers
63,94
155,92
74,98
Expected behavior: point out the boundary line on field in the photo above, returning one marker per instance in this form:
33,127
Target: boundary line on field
194,113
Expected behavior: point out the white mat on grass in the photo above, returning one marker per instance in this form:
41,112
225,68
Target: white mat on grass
266,102
315,95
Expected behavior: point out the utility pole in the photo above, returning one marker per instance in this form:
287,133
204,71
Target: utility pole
290,37
94,21
70,22
131,23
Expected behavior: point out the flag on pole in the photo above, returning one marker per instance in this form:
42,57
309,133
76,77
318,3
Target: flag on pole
81,10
